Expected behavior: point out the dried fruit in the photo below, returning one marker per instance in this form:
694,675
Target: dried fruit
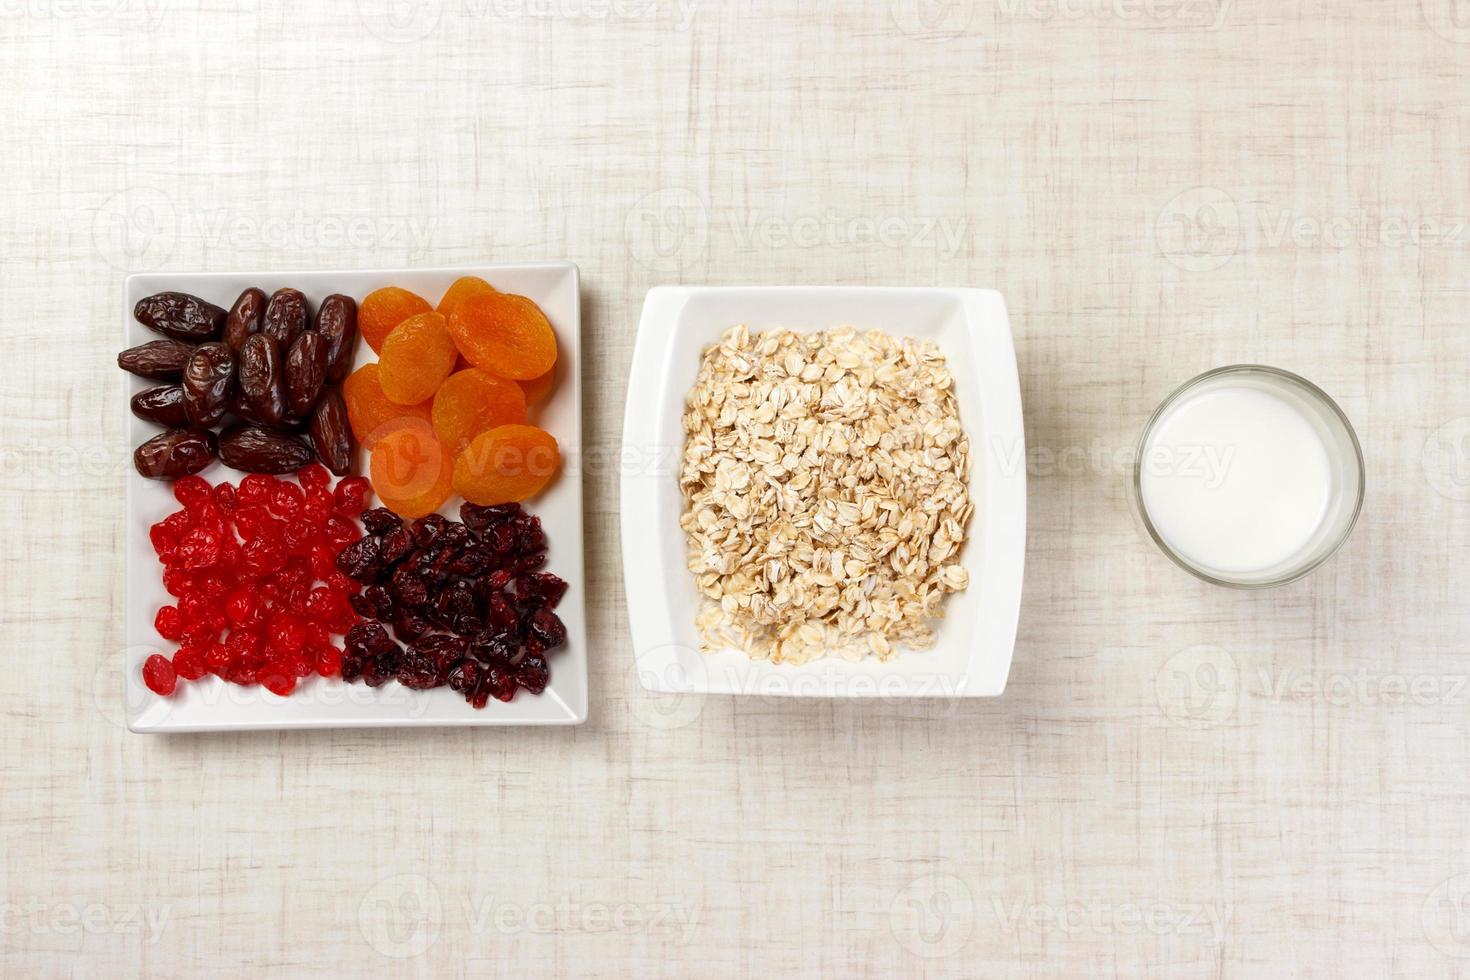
180,316
286,316
411,472
260,587
383,309
209,379
336,321
159,675
416,358
538,388
504,334
371,413
261,378
256,450
246,317
331,435
175,453
160,360
163,405
462,289
506,465
471,402
306,372
447,595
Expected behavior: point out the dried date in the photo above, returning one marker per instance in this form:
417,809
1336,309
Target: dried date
246,317
175,453
306,371
257,450
336,321
163,405
209,378
262,380
286,315
160,360
180,316
331,434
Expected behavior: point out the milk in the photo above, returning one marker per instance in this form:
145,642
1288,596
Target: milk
1236,478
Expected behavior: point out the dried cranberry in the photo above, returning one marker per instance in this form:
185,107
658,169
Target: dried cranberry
381,520
395,546
543,584
548,628
359,558
464,676
531,673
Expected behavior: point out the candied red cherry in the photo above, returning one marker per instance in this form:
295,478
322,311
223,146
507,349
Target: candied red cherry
321,604
212,587
198,549
329,661
178,582
242,644
163,538
201,634
195,607
242,673
318,506
159,675
224,498
316,636
341,532
191,491
286,633
255,490
169,623
286,499
242,608
189,663
314,475
323,560
263,555
350,497
218,658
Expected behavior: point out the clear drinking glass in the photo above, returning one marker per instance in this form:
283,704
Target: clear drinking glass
1345,462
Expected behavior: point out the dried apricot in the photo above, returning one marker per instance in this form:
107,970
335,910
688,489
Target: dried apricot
471,402
411,473
506,465
538,388
416,358
461,289
371,413
504,334
383,309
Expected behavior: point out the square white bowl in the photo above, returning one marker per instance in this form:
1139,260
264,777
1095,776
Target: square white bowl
972,655
212,705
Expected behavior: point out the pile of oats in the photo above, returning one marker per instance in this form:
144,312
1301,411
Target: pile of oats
825,484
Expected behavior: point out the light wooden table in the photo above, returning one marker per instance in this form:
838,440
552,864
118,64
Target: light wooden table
1180,782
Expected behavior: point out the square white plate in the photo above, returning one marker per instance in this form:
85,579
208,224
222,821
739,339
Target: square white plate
211,704
972,656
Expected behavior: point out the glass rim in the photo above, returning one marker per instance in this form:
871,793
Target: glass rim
1293,573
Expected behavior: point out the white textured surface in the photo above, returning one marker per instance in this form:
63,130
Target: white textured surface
1155,189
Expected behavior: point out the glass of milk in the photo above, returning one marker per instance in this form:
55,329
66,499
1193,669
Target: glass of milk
1249,476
